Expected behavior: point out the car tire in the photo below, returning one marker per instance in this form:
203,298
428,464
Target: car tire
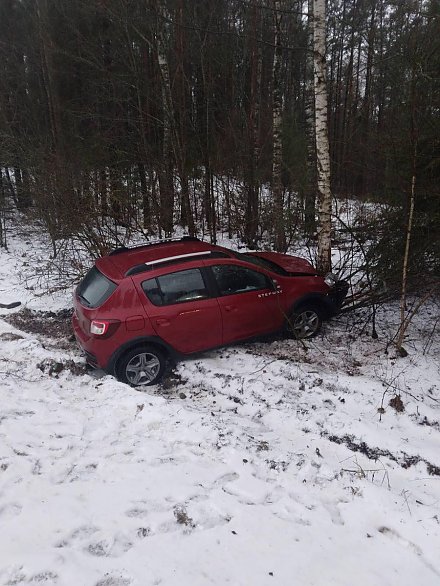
304,322
141,366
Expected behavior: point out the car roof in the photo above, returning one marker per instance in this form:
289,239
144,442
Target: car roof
121,261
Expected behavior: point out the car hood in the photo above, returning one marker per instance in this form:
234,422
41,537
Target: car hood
291,264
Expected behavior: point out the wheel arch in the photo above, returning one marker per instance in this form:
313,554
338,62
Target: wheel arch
318,300
167,350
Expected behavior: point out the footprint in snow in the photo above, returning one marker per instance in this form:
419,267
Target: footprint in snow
78,535
46,578
225,479
334,512
10,510
108,580
395,536
110,547
137,512
16,576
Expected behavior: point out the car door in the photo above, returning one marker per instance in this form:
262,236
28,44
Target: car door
182,310
248,302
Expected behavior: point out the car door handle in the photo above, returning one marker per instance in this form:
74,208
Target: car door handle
229,307
189,311
162,322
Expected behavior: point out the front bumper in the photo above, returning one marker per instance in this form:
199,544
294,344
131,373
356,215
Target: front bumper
337,295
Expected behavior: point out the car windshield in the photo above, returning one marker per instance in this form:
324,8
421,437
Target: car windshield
95,288
261,262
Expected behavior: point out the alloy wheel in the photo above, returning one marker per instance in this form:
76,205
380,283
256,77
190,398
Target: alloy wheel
142,369
305,324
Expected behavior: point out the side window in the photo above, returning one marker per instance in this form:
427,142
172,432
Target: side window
232,279
176,288
152,291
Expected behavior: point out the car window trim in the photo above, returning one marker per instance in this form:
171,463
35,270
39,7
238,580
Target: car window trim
200,269
216,287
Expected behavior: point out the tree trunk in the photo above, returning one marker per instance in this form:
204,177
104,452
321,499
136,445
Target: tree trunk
404,322
322,144
311,188
181,139
252,207
2,212
166,174
366,108
47,71
277,120
146,207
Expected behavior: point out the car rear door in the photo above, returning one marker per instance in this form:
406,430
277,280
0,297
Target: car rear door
182,310
248,301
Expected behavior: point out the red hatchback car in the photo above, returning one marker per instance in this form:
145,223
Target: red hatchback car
138,307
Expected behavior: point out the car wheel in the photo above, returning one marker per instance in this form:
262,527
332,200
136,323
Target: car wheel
305,322
141,366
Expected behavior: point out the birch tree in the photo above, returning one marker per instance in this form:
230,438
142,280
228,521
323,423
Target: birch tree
321,136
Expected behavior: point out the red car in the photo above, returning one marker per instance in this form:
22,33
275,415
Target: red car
137,307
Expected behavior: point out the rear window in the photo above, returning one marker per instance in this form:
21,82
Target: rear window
95,288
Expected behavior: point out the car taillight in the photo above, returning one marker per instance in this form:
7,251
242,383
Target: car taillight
104,327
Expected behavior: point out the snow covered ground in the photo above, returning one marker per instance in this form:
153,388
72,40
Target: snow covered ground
274,463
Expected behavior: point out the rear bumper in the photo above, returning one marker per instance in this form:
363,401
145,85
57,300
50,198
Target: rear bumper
91,359
85,343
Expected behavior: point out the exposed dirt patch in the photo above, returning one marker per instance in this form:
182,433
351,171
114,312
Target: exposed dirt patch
403,459
428,423
51,324
397,403
172,382
10,337
182,516
53,367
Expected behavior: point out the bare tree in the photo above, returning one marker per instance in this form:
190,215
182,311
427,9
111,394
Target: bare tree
310,194
277,120
166,167
252,203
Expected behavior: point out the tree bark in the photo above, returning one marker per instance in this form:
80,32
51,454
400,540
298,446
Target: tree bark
311,187
252,203
186,215
277,146
166,173
322,143
412,196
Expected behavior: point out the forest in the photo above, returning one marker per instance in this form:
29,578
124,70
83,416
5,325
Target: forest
310,127
147,115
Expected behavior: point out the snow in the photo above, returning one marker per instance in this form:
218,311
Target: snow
246,467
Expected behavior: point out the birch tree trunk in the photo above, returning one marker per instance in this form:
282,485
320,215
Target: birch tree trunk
322,144
309,103
277,156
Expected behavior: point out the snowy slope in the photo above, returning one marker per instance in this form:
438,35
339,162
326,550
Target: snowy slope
274,463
